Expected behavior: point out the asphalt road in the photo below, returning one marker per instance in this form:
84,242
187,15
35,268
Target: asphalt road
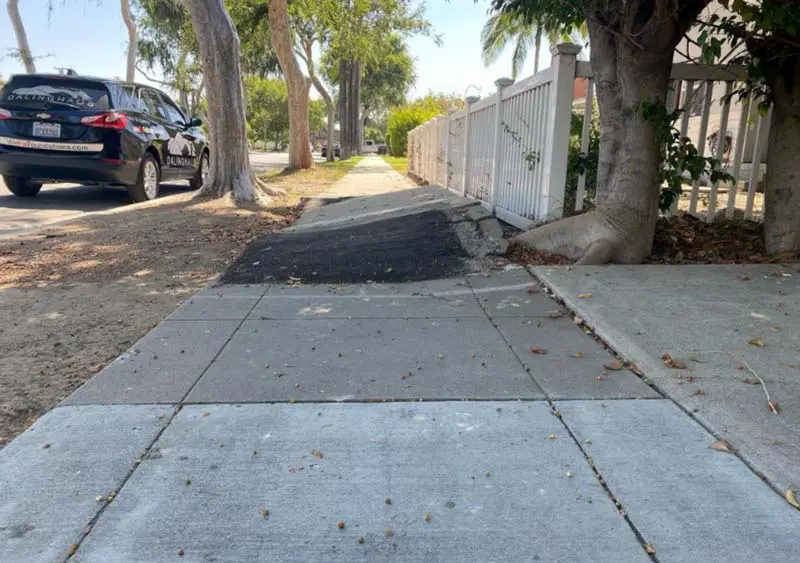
57,202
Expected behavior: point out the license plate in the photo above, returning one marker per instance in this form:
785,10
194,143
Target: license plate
49,130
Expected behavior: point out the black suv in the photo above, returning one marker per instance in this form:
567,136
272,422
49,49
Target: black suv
56,128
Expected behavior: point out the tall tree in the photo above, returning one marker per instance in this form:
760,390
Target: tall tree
766,38
218,42
297,84
310,21
356,30
502,29
631,57
22,38
130,68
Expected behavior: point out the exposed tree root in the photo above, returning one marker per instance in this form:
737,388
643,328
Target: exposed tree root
591,238
249,190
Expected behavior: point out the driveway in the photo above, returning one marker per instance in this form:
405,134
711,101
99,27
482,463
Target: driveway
58,202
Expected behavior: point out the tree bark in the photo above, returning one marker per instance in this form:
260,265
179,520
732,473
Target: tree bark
349,106
629,73
230,171
782,192
537,49
130,69
22,37
296,83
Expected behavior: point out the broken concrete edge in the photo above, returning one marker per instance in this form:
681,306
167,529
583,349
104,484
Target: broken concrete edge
626,349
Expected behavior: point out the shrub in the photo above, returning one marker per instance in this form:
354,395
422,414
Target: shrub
403,119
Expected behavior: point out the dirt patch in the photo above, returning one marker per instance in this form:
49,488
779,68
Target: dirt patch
685,239
75,296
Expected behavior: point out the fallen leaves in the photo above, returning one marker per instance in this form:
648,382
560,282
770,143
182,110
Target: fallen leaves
568,474
317,454
671,362
556,315
264,512
551,437
723,446
577,355
426,517
341,525
388,533
757,342
360,539
649,549
533,289
616,365
750,381
537,351
586,295
791,499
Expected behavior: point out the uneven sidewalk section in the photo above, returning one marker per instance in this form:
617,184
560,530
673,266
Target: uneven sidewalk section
722,321
325,404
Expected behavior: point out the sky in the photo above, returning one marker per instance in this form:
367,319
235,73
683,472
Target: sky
90,37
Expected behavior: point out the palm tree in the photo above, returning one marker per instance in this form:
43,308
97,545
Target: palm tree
503,28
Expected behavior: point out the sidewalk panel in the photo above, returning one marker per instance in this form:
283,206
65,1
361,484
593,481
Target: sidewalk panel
160,368
691,503
361,359
427,458
51,475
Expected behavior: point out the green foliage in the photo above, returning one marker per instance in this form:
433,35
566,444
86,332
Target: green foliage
406,117
317,115
679,156
267,108
578,162
375,134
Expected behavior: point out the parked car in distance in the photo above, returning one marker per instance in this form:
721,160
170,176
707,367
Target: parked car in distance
336,150
369,147
383,149
69,128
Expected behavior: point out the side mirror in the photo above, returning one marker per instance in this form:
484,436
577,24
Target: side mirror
195,122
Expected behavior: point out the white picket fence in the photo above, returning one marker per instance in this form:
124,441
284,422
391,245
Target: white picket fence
510,150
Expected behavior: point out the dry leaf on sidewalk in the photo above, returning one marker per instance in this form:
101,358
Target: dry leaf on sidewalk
649,549
584,295
671,362
723,446
537,350
756,342
791,499
616,365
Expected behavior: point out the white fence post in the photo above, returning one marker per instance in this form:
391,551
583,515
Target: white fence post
467,179
556,144
497,154
448,154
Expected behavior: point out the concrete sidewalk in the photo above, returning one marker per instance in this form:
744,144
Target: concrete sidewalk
451,420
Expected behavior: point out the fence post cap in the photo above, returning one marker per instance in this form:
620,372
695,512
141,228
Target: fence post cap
566,49
504,82
472,99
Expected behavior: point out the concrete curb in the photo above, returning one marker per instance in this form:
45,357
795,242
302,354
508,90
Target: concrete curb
654,368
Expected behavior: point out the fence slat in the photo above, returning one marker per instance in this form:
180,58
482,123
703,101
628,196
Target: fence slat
758,150
701,142
721,138
738,153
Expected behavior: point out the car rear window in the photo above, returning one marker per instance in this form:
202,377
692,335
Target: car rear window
53,92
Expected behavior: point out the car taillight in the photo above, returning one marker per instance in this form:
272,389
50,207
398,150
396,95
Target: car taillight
5,114
110,120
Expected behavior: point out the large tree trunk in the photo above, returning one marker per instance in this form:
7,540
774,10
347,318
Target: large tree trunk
296,83
782,193
130,69
537,50
349,106
22,37
219,50
629,74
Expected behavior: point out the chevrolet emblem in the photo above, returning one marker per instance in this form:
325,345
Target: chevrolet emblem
43,115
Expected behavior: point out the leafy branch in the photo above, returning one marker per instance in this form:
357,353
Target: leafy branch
678,155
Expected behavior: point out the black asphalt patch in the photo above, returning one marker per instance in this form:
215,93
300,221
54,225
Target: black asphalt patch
410,248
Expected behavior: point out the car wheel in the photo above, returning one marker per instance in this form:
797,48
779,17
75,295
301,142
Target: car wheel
21,187
147,182
202,172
